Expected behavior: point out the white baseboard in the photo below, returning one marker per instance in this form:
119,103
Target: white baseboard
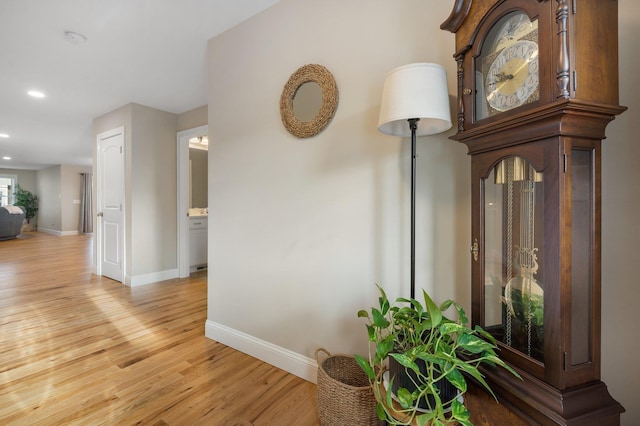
289,361
152,277
56,232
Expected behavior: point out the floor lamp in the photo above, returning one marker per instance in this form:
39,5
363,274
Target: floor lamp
415,102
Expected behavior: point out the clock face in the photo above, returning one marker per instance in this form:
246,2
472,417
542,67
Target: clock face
513,76
514,28
507,73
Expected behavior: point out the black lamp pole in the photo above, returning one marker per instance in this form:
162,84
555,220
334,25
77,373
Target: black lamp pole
413,125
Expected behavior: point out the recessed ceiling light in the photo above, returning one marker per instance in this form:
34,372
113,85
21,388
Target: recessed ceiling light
35,93
4,135
6,158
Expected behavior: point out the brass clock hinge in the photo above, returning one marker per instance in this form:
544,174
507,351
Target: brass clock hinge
564,163
475,249
565,363
574,6
574,77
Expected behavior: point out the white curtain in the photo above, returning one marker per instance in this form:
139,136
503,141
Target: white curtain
86,211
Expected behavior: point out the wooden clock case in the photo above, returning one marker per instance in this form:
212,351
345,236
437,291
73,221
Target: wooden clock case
560,136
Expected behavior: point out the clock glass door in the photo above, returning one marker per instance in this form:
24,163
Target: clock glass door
506,71
582,274
513,256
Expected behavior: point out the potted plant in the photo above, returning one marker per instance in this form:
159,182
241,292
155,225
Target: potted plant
433,350
27,200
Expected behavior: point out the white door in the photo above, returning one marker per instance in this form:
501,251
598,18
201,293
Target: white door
110,199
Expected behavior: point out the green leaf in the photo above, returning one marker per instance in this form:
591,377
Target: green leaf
493,359
404,398
457,379
405,361
384,305
424,419
382,349
363,314
444,349
388,399
473,372
446,304
383,295
460,413
434,312
485,334
371,331
462,316
432,359
473,344
382,415
378,319
366,367
451,328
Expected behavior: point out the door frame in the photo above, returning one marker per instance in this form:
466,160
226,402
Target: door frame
99,236
182,211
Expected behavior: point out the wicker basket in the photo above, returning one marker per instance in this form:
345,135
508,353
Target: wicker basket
344,394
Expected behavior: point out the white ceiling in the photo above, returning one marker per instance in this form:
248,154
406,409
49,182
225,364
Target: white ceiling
152,52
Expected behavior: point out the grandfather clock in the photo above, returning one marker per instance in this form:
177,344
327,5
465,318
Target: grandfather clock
537,86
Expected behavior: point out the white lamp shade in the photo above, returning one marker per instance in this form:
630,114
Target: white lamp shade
415,91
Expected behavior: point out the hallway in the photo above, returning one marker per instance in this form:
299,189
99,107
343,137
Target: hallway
76,348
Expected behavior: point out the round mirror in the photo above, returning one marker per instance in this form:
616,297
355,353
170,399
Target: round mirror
308,101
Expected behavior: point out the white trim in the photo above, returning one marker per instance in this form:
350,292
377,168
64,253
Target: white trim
56,232
292,362
182,139
152,277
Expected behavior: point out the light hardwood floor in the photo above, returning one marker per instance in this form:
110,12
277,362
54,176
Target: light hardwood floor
80,349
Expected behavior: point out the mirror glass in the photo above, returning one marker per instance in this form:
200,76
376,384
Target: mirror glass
198,178
307,101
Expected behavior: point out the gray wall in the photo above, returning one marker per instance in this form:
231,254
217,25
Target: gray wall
306,227
58,187
50,207
153,189
193,118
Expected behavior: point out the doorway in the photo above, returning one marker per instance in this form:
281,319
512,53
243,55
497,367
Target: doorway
186,223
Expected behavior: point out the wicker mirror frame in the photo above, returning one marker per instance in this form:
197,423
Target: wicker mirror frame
309,73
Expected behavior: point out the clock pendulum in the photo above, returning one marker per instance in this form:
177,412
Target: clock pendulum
523,294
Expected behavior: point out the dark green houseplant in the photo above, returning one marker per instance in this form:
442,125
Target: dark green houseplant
433,350
27,200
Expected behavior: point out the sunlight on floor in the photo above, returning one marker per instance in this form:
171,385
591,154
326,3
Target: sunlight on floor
124,321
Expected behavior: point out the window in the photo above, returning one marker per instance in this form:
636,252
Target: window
7,186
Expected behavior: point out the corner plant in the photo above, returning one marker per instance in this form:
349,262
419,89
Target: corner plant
431,348
27,200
